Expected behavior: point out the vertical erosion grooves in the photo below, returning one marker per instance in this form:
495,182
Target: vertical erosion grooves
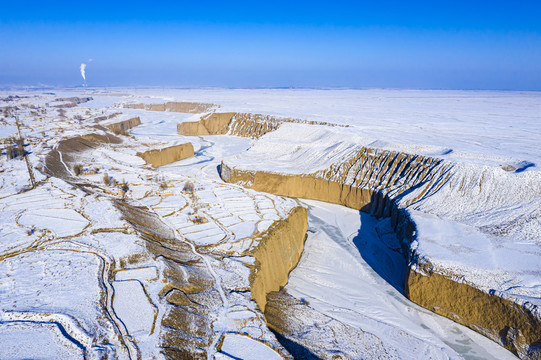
277,253
239,124
255,125
124,125
511,325
371,174
382,182
159,157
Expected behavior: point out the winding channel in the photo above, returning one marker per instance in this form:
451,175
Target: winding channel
365,292
375,302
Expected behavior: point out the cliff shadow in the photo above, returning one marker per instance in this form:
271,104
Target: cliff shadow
381,248
298,351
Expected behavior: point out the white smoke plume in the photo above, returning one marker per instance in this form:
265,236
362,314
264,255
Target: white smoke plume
83,73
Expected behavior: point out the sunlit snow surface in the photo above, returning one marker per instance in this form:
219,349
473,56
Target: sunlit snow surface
348,274
486,128
481,125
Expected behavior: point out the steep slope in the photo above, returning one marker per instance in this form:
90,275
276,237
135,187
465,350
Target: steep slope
167,155
238,124
331,165
119,127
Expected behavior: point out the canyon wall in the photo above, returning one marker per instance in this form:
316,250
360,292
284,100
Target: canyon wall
277,253
211,124
239,124
159,157
511,325
352,183
124,125
386,183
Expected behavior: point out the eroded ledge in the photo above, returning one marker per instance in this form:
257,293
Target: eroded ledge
511,325
167,155
240,124
120,127
277,253
323,166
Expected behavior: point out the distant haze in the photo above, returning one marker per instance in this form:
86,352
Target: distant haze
388,44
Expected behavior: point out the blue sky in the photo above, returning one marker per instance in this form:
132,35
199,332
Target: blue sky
396,44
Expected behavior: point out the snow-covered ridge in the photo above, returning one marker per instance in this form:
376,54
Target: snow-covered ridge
484,221
240,124
59,217
485,124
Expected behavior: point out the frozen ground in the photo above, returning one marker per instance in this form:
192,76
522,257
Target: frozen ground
494,128
352,271
81,275
503,126
482,225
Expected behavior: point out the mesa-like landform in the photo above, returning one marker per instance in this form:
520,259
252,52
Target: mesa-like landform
181,224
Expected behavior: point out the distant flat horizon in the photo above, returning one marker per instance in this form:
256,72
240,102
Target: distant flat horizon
6,88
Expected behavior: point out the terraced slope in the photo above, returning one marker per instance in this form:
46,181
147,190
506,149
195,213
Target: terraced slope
215,247
109,258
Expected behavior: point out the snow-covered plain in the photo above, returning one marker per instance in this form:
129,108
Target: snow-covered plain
484,128
487,125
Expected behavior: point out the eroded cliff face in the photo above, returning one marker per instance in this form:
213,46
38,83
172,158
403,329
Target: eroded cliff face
354,183
159,157
211,124
388,183
121,126
239,124
277,253
207,290
504,321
